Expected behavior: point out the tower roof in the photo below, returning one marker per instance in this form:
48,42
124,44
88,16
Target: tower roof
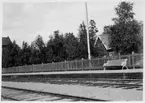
6,41
105,40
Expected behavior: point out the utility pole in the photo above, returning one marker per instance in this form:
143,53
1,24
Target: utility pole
88,40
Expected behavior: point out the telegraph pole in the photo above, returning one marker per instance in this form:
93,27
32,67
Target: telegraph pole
88,40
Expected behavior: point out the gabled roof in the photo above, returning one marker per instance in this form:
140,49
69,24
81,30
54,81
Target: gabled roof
105,40
6,41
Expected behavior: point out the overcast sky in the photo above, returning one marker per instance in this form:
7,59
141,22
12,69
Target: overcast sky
24,21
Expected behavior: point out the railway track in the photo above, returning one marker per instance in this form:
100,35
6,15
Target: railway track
13,94
113,83
124,84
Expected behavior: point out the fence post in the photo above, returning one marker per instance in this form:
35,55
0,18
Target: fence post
76,64
90,64
68,65
52,66
25,69
129,61
133,60
65,66
105,62
119,55
17,69
42,67
32,68
82,64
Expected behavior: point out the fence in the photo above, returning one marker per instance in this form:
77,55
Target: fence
133,61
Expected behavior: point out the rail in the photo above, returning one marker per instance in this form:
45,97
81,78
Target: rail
134,61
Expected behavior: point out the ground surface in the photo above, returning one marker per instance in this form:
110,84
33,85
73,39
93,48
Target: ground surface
95,92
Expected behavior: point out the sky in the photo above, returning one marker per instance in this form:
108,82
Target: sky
23,21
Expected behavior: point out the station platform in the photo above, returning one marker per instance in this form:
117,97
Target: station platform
98,93
78,72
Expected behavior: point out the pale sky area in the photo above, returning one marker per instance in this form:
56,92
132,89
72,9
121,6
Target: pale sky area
24,21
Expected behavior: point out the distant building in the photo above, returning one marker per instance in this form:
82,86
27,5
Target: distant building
103,39
6,42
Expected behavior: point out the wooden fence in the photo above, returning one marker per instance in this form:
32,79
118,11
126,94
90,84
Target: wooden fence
134,61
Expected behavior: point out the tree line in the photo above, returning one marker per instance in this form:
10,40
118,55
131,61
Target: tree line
124,37
59,47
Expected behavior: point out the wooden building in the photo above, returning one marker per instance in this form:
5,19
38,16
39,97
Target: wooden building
103,40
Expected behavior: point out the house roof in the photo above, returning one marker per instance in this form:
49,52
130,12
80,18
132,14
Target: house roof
6,41
105,40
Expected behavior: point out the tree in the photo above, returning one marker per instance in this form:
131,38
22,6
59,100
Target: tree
71,46
49,49
6,56
49,53
38,51
92,29
39,43
92,33
34,58
125,31
25,54
124,12
83,52
82,37
56,47
14,59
